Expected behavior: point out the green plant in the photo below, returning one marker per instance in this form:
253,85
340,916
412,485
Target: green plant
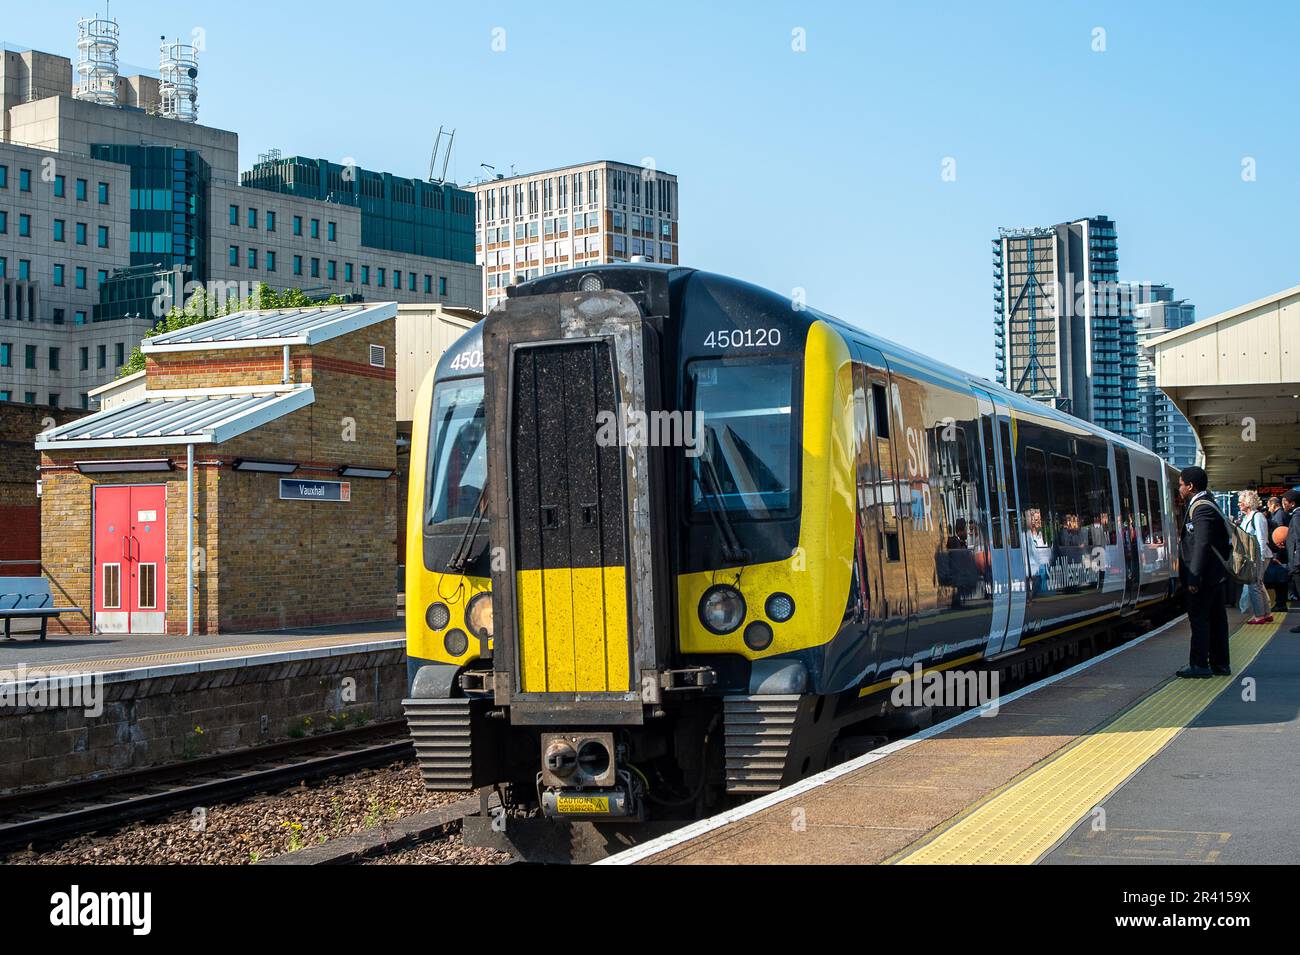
193,745
295,841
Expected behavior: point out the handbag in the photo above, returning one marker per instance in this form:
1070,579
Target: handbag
1275,573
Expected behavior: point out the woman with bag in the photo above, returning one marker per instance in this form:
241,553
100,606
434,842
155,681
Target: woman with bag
1254,521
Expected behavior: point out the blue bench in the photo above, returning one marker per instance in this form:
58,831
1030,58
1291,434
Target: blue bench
28,598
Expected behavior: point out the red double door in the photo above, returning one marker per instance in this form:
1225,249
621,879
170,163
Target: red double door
130,558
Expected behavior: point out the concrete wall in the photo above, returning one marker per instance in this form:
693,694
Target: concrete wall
154,720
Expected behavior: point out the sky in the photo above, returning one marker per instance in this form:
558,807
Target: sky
863,152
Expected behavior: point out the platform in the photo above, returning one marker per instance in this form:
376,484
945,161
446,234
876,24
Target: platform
1110,761
110,652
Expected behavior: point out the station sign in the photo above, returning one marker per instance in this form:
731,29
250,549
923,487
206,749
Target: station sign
295,489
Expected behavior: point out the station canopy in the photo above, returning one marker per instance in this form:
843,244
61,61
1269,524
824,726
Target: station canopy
272,327
1236,378
192,416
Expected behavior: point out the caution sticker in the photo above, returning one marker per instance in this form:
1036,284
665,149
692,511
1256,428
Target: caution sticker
582,805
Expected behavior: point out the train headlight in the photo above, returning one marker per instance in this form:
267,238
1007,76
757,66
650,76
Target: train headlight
437,616
479,614
779,607
455,642
758,635
722,609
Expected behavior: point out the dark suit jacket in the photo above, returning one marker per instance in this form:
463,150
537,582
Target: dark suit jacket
1293,542
1204,541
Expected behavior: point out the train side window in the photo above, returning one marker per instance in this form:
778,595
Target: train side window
880,407
1009,469
1144,512
1065,507
1157,519
991,470
1085,479
1038,510
1106,503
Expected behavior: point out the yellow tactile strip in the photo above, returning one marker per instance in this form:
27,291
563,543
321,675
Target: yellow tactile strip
208,653
1024,819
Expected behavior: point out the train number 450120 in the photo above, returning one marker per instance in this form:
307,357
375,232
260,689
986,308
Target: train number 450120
743,338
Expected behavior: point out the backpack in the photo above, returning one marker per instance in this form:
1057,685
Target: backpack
1245,559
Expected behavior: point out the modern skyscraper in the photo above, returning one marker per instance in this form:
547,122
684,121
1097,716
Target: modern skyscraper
589,214
1063,332
1163,428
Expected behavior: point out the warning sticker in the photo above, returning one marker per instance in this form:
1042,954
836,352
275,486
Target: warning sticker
582,805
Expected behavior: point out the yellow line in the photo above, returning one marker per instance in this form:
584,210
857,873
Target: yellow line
1023,820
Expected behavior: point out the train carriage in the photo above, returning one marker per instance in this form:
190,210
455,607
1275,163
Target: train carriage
672,536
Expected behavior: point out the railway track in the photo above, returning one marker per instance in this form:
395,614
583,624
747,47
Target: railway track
53,813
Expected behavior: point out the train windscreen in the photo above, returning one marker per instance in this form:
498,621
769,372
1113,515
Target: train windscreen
457,452
745,461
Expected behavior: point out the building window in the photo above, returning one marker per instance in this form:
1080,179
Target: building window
103,193
119,350
331,270
85,359
101,277
365,275
81,233
4,177
347,271
81,276
103,356
29,357
103,237
315,228
252,258
54,359
332,232
270,221
270,260
234,215
24,270
410,282
297,225
81,190
315,268
29,397
24,224
58,275
381,278
85,401
79,318
59,188
397,279
442,285
54,399
234,256
428,285
58,316
60,228
4,266
297,265
252,218
4,222
24,180
5,395
6,354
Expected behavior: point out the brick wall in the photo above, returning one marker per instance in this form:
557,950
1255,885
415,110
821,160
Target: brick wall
20,508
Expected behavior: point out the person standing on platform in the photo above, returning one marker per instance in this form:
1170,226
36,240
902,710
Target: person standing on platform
1291,504
1255,523
1202,551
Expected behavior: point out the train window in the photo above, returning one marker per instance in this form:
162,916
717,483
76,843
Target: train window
1144,512
747,463
880,408
1157,519
991,472
1038,510
1085,479
1065,507
1009,469
1105,503
457,471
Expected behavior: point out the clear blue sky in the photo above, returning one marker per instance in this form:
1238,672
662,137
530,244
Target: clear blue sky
818,169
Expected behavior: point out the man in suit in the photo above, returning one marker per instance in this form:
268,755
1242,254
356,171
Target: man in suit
1202,550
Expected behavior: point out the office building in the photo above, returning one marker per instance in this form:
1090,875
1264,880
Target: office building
1063,332
115,203
1164,429
589,214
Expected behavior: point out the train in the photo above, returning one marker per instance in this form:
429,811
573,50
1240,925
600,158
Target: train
674,538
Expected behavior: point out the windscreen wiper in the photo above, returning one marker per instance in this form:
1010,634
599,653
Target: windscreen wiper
732,552
460,556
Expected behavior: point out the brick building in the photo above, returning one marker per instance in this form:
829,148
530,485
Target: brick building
20,504
270,433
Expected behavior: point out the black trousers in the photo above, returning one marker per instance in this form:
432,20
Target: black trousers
1208,615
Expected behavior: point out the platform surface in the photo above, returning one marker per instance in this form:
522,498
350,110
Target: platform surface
1116,762
128,652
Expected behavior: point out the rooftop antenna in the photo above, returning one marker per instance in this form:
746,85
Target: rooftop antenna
446,157
97,60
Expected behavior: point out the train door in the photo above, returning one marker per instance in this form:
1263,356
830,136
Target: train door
882,531
997,529
1127,527
1017,557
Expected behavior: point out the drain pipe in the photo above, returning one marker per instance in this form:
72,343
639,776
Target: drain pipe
284,379
189,540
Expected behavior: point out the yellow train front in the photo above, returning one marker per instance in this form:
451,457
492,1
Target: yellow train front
668,533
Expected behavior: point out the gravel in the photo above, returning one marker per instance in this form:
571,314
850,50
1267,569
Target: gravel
259,827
